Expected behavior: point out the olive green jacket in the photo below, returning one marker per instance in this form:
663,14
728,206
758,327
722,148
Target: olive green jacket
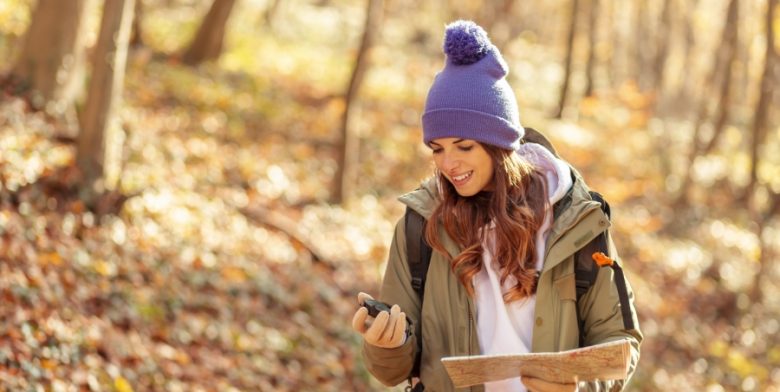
448,314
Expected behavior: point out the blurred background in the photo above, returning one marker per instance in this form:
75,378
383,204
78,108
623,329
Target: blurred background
192,192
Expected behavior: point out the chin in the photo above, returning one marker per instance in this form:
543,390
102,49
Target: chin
466,193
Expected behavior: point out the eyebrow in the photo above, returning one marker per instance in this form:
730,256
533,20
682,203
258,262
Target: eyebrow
455,142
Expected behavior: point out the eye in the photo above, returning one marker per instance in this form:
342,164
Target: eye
465,148
437,150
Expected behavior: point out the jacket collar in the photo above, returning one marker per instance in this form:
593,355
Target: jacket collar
577,220
423,199
568,210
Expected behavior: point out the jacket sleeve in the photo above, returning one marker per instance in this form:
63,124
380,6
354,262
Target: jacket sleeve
393,366
606,321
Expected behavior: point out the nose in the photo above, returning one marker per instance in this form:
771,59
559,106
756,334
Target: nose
449,163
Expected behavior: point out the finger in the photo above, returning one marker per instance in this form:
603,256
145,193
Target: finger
535,384
538,385
399,332
359,320
374,333
362,297
387,333
530,383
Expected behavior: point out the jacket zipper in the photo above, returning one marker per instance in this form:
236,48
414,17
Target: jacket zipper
468,304
470,322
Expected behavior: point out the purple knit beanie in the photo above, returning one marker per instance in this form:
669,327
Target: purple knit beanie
470,98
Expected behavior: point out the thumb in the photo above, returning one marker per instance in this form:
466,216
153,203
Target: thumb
362,297
359,320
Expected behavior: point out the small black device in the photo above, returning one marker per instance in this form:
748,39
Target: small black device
374,307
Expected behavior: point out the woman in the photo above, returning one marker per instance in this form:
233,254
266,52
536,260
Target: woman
504,217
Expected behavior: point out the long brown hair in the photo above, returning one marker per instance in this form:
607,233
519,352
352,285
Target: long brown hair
516,203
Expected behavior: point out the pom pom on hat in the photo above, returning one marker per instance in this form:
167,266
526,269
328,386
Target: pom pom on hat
465,42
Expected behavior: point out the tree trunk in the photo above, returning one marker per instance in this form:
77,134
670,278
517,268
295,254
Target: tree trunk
669,24
52,54
618,56
642,54
136,35
99,143
722,69
729,56
593,34
271,12
569,58
765,100
346,174
743,72
677,103
662,46
766,248
207,44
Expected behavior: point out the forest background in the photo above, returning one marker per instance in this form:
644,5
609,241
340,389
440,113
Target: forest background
192,192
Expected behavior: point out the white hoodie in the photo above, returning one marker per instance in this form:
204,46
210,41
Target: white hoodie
507,328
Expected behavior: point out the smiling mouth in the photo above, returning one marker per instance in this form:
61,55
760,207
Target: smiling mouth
462,178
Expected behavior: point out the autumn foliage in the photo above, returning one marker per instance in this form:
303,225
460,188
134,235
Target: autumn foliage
218,263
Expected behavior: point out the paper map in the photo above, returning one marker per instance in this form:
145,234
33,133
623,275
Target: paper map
606,361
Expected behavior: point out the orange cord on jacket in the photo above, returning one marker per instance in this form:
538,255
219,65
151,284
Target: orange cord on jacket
602,260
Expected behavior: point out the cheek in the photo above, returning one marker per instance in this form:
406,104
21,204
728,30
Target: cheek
488,172
437,162
487,166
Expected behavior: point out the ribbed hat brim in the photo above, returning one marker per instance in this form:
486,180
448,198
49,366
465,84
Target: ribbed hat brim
473,125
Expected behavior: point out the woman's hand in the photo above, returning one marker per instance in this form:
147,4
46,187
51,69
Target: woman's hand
387,330
539,385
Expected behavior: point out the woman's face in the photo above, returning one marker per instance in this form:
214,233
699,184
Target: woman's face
465,164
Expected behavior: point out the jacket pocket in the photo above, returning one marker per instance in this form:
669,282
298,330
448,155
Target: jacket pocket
566,288
567,328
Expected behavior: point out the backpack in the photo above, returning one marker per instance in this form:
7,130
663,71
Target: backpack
418,256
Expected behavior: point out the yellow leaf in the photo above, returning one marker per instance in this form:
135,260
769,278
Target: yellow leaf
103,268
234,274
50,258
121,385
719,349
589,106
182,358
774,356
639,119
48,364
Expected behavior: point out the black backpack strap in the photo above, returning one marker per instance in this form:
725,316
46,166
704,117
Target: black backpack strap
585,273
604,205
418,256
625,305
418,253
586,270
